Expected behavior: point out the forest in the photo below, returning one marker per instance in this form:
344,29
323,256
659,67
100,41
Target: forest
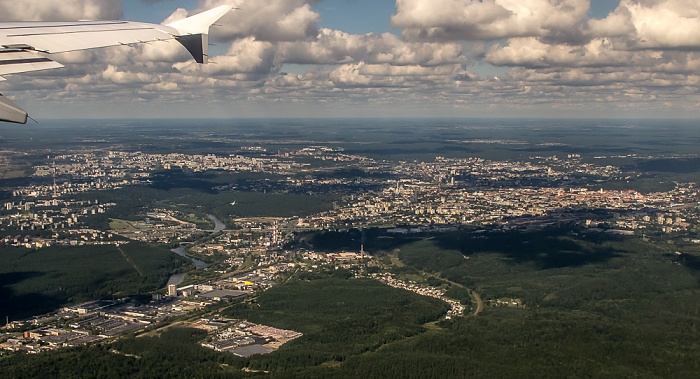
340,319
594,305
34,282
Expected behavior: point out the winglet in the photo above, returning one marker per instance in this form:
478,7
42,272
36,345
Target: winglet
200,23
194,31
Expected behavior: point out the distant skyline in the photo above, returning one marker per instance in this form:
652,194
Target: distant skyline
374,58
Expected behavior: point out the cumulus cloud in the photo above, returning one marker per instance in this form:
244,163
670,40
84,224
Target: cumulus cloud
245,56
280,20
532,52
115,75
640,24
650,43
489,19
653,24
386,75
59,10
337,47
162,51
679,63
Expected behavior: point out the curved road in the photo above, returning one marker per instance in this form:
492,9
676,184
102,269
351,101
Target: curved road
479,303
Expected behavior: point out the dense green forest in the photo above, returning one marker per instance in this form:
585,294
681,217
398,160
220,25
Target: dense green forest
595,305
558,268
254,204
339,318
38,281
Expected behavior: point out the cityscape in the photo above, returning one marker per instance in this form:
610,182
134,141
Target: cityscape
446,193
205,240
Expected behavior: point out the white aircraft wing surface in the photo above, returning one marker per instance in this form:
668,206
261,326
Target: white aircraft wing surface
13,61
27,46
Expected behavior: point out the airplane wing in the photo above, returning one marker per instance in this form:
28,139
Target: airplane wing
27,46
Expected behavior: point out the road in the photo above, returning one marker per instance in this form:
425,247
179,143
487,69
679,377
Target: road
477,298
479,303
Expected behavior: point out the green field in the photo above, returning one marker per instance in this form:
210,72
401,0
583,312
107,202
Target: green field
39,281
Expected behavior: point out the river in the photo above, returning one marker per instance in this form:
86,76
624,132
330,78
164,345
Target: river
198,264
218,224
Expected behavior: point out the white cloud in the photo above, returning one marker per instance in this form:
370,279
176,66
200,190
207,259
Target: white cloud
59,10
653,24
337,47
386,75
161,87
488,19
114,75
679,63
640,24
329,47
532,52
279,20
244,56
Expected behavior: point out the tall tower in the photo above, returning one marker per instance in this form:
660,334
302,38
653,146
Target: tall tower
172,290
55,187
275,233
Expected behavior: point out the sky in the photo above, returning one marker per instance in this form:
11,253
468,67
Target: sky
380,58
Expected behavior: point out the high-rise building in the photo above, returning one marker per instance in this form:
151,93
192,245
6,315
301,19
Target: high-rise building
172,290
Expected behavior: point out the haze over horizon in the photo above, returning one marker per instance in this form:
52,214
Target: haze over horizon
429,58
